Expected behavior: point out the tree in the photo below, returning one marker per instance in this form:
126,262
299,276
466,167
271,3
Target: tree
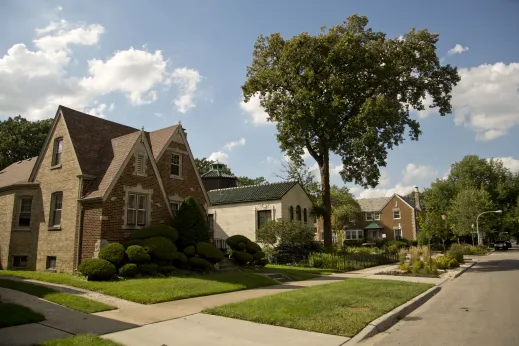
465,208
204,165
344,207
246,181
191,224
299,172
287,232
439,196
433,226
21,139
348,91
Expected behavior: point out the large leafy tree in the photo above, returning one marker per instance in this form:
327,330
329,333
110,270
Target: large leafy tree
349,91
246,181
21,139
345,207
291,171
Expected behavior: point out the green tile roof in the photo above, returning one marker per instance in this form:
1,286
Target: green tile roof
373,225
217,174
252,193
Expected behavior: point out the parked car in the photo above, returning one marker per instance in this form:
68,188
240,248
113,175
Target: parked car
508,244
500,245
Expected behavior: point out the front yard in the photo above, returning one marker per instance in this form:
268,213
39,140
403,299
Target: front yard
156,290
296,273
81,340
343,308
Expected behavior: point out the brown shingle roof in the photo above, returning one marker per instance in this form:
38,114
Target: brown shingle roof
373,204
16,173
159,138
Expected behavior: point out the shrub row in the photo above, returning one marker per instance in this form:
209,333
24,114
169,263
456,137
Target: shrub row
246,252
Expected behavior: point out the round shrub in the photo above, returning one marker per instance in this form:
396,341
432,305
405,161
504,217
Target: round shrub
458,255
453,263
200,264
190,251
113,253
261,262
166,269
161,249
128,270
442,262
181,258
209,252
252,247
404,267
164,231
241,246
148,269
242,257
97,269
259,255
129,243
233,241
137,254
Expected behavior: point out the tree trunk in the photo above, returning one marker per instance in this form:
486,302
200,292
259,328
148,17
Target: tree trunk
444,250
327,203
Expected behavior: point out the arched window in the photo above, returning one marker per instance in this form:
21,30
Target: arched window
298,213
305,216
291,210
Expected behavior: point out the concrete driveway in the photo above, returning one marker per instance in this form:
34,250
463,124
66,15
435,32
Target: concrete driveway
479,308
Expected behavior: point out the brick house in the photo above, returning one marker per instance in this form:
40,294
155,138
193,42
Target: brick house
94,182
388,218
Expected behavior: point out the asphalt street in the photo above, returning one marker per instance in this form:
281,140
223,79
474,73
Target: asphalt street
479,308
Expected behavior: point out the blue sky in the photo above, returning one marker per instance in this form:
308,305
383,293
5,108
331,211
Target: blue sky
155,63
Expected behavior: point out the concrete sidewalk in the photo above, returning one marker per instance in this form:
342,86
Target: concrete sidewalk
59,321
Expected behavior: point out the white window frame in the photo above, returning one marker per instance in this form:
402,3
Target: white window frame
173,155
399,214
20,212
26,262
369,216
399,230
52,211
373,216
57,152
137,197
376,216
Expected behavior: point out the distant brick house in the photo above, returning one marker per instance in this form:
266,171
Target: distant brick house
388,218
94,182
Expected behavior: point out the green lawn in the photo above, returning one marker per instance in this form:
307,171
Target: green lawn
156,290
343,308
66,299
81,340
14,315
297,273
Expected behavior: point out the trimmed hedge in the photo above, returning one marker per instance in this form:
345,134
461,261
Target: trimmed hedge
113,253
97,269
200,263
253,247
209,252
241,246
181,258
128,270
233,241
166,269
190,251
148,269
191,223
164,231
259,255
161,249
242,257
261,262
137,254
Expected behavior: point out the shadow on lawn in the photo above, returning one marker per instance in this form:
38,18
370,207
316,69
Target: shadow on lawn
57,287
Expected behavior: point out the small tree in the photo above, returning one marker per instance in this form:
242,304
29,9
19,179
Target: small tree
191,224
433,226
285,232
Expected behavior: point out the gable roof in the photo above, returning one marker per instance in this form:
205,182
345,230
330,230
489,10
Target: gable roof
216,174
17,173
252,193
159,139
373,204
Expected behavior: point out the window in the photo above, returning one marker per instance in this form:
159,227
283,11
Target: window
373,216
51,263
56,203
305,216
24,216
174,208
398,233
291,211
20,261
210,225
175,165
298,213
376,216
264,216
356,234
396,214
369,217
137,208
56,152
140,161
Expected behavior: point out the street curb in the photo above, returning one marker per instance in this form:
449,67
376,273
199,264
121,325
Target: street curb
388,320
464,270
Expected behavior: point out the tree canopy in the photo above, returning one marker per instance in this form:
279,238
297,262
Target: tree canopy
291,171
21,139
203,165
348,90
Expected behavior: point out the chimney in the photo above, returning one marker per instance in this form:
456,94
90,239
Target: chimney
417,198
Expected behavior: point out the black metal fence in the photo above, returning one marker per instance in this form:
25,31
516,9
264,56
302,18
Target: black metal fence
345,261
221,244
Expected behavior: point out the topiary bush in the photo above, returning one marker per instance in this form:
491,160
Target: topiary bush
209,252
128,270
233,241
166,269
241,246
162,250
155,231
148,269
181,260
252,247
97,269
242,257
137,254
261,262
200,264
113,253
129,243
191,223
259,255
190,251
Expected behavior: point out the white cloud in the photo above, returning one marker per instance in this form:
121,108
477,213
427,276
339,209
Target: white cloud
335,170
254,109
486,100
187,80
231,145
99,109
384,179
158,114
372,193
457,49
219,156
510,163
62,34
413,173
306,154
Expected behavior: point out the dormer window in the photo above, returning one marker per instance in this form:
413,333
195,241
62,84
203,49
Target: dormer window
56,152
176,165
